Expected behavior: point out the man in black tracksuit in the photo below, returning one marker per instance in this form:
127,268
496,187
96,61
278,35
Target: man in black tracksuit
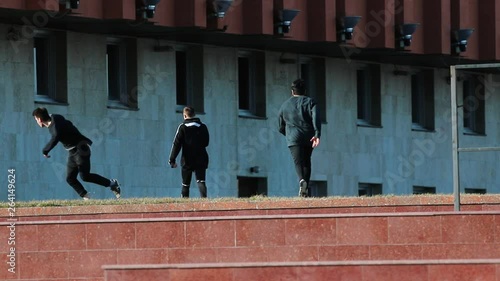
192,137
78,146
299,122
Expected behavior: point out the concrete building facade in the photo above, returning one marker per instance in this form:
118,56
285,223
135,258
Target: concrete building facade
386,112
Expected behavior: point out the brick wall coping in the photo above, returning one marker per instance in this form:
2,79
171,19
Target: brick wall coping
251,217
299,264
270,203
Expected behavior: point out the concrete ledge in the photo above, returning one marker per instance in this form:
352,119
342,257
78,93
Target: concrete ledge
388,270
379,204
76,220
296,264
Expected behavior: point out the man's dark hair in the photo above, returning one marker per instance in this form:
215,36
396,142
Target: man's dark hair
299,86
189,111
42,113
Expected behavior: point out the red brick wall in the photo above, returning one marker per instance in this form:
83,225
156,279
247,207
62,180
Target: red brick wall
71,249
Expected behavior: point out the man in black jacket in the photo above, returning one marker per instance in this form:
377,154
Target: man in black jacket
78,146
299,122
192,137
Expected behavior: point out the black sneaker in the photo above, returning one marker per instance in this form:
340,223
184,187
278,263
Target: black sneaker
303,188
115,187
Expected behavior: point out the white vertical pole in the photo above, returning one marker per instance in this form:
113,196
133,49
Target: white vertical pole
454,138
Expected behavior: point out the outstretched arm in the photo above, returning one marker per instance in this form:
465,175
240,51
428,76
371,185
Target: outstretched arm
53,141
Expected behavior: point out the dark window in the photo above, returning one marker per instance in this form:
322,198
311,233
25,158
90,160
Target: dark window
42,68
424,190
422,100
473,105
248,186
318,189
244,83
369,101
50,67
121,71
113,67
190,78
475,190
313,73
369,189
251,84
181,77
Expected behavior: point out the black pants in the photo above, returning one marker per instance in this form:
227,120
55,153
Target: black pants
301,155
79,162
187,174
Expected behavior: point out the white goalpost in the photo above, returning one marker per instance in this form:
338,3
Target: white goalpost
454,123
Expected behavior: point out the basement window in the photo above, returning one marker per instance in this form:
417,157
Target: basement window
250,186
318,189
475,191
369,189
424,190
